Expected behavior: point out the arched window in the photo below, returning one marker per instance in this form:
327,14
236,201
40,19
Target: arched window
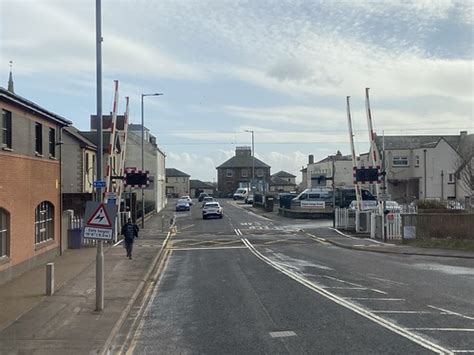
4,233
44,222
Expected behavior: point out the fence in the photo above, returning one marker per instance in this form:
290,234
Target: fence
345,219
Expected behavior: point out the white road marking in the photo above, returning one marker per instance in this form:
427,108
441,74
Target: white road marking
343,234
352,306
191,225
282,334
387,280
445,329
344,288
318,239
339,280
120,241
378,291
451,312
238,232
209,248
463,351
404,312
374,299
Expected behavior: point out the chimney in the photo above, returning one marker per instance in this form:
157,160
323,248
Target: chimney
463,133
10,80
243,151
311,159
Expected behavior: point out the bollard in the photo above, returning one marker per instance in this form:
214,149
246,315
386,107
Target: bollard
49,279
162,223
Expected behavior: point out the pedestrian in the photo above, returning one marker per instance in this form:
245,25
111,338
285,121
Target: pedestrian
129,232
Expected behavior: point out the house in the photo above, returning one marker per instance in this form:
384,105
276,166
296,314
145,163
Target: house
286,176
154,158
177,183
79,159
30,193
237,172
343,171
278,184
198,186
426,167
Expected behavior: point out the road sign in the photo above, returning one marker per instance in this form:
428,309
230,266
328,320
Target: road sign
98,184
390,216
384,197
100,221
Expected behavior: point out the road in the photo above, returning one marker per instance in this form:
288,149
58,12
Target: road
245,284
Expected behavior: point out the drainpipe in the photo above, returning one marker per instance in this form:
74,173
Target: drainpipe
424,174
442,185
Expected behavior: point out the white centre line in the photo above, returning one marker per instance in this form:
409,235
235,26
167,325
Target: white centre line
390,325
283,334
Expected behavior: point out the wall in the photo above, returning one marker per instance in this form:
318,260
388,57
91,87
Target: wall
29,182
344,172
444,225
72,158
160,181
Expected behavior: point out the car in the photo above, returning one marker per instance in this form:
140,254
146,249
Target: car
249,199
212,209
202,195
189,199
206,200
182,205
369,205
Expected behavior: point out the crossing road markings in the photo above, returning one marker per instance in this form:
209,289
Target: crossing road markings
388,324
463,351
293,241
374,299
238,232
209,248
283,334
184,228
406,312
444,329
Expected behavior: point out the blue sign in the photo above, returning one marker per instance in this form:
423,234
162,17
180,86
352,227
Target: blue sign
98,184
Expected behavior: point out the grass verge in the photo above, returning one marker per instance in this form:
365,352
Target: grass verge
454,244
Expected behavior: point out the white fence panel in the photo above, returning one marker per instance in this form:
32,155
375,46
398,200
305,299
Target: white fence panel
394,226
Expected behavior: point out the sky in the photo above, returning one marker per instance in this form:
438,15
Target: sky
282,68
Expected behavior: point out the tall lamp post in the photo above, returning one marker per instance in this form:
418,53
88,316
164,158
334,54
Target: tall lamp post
143,152
253,160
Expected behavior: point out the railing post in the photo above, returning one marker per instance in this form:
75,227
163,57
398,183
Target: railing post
49,279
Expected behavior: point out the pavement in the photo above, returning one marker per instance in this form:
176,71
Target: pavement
345,239
33,323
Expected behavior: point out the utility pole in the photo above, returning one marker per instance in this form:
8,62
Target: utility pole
253,159
99,261
334,191
143,152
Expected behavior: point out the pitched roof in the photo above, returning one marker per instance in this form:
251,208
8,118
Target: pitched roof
284,174
415,142
74,132
276,181
92,136
172,172
243,162
198,184
34,107
337,157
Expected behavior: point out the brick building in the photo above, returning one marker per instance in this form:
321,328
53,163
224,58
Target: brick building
30,194
237,172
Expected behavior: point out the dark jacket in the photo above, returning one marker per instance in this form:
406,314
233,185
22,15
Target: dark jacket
130,232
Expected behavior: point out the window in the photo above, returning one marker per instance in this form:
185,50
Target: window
400,161
166,180
259,172
4,233
44,222
184,179
229,173
245,173
6,129
52,142
39,138
417,160
451,178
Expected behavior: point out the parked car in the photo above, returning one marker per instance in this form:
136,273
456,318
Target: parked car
182,205
206,200
365,205
249,199
189,199
241,193
393,206
211,209
201,196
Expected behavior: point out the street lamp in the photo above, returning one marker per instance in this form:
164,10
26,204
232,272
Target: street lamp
253,158
143,152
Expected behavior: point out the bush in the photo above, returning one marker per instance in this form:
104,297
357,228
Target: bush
430,205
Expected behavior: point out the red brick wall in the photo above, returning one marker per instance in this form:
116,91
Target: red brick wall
24,183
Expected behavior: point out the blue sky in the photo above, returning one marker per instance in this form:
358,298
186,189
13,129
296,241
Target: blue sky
281,68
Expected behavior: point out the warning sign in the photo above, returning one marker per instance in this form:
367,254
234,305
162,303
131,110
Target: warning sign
100,221
99,218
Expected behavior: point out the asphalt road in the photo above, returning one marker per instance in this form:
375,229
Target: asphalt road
245,284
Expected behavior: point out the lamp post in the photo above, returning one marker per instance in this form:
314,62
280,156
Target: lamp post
143,152
253,159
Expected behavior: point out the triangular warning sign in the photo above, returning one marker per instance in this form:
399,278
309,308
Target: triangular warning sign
100,218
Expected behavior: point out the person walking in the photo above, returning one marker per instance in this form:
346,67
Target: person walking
130,232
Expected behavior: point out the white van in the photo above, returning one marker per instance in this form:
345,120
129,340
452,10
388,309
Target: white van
241,193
